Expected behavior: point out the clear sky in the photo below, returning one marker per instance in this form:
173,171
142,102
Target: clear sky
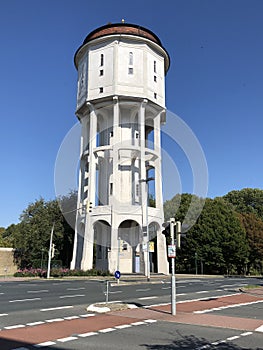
215,84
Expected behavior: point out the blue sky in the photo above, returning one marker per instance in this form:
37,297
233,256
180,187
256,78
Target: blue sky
215,84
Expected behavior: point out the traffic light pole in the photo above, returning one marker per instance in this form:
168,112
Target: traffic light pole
50,251
173,278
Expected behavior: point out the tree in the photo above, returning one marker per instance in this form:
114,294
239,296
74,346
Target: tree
254,233
247,200
217,240
32,235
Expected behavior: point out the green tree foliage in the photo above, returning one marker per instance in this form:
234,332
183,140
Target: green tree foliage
247,200
254,232
31,236
217,240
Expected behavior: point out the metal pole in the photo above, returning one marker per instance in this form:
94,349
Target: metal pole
173,279
196,271
107,292
50,251
118,260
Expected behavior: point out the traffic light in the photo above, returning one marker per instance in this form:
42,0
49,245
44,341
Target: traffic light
90,207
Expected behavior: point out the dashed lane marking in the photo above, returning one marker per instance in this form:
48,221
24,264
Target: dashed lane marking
1,315
107,330
57,308
64,340
147,298
47,343
22,300
15,326
38,291
89,334
35,323
208,346
54,320
72,296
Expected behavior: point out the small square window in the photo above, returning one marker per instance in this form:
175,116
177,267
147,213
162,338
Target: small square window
101,72
155,78
130,71
155,95
101,90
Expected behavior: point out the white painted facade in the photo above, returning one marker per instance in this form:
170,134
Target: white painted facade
121,106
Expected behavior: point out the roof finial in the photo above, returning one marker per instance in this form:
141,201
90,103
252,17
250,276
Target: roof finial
122,21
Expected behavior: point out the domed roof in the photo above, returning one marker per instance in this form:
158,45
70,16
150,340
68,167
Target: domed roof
122,28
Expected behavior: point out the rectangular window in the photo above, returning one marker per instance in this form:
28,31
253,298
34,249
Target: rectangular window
101,90
130,70
101,72
111,189
130,59
102,59
155,78
154,66
155,95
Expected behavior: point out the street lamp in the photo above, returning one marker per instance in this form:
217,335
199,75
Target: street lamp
148,273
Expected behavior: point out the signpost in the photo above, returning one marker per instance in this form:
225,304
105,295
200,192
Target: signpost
172,255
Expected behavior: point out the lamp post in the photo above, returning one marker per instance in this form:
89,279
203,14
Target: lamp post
148,273
50,251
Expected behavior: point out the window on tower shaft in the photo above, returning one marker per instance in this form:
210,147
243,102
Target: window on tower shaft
130,58
102,59
130,68
154,66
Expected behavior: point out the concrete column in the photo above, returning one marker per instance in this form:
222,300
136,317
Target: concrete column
87,257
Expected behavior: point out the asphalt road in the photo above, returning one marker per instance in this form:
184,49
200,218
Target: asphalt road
23,303
166,336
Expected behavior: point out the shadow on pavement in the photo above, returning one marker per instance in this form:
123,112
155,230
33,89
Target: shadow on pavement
192,343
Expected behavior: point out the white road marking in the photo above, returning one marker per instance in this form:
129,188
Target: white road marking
38,291
22,300
150,321
122,326
146,298
2,293
139,323
54,320
72,296
180,294
68,318
118,291
76,288
142,290
107,330
259,329
227,307
60,283
166,287
233,338
15,326
35,323
246,333
57,308
89,334
1,315
47,343
64,340
202,291
87,315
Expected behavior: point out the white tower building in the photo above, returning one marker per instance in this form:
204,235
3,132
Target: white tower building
121,106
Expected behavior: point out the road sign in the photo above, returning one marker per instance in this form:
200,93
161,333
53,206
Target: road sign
117,274
171,251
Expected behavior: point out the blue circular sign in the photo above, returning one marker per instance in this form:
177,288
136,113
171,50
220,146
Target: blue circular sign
117,274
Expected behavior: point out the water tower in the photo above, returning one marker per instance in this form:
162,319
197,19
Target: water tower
121,107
